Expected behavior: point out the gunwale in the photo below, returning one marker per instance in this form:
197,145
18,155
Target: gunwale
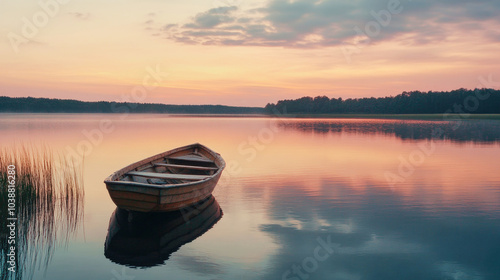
217,159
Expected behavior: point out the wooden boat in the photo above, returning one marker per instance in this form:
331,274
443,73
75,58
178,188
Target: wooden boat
168,181
149,239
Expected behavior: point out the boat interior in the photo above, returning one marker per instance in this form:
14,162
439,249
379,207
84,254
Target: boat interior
178,168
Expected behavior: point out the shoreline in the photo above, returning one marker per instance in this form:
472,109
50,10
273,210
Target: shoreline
429,117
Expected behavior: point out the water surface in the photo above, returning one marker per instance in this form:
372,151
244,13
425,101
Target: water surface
392,199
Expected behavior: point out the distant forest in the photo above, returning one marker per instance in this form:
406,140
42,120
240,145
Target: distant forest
45,105
478,101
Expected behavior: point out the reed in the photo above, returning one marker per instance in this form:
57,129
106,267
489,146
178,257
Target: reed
49,206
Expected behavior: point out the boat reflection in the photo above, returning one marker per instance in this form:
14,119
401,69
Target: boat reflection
148,239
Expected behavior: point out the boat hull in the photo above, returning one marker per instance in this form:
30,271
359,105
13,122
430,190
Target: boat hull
146,199
143,197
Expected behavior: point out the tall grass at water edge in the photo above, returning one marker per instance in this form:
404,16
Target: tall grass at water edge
49,206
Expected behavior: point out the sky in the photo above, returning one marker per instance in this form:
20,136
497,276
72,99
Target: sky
245,53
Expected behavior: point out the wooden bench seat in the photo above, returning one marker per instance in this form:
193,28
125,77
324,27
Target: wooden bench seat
168,176
192,158
186,166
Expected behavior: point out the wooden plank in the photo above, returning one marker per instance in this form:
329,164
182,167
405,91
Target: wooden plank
185,196
192,158
142,206
130,187
168,176
186,166
134,196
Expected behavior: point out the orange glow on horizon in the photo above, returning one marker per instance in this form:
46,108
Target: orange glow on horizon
83,55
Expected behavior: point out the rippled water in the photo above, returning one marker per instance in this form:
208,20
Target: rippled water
299,199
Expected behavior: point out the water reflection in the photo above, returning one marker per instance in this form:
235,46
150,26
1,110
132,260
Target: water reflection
443,222
378,235
148,239
476,131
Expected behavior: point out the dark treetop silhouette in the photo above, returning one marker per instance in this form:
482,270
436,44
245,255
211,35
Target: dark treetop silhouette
46,105
478,101
460,101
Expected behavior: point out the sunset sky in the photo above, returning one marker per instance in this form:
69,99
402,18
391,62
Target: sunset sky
241,52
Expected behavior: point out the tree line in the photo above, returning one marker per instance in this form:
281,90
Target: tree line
46,105
478,101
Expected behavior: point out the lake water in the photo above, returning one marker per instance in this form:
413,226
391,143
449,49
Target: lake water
299,199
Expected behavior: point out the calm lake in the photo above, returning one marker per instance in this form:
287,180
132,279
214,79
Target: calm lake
299,198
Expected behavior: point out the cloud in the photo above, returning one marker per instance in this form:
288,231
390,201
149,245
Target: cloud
309,24
82,16
212,18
